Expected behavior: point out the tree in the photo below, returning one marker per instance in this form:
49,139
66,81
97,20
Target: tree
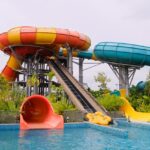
17,96
10,98
33,80
3,84
147,88
102,79
50,76
4,88
147,85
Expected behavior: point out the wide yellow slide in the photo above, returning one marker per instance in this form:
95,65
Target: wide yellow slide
133,115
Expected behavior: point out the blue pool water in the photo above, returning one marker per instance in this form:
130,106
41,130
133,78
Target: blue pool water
82,136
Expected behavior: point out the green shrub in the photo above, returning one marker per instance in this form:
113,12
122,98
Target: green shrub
141,104
144,108
99,93
60,105
111,102
140,100
11,98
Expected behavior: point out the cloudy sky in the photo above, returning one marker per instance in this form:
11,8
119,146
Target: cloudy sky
101,20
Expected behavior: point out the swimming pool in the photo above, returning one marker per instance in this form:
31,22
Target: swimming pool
77,136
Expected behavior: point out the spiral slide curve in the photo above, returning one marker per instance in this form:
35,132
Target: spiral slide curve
21,42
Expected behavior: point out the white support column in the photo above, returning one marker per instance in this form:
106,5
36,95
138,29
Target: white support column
29,71
81,70
125,75
124,79
69,60
36,73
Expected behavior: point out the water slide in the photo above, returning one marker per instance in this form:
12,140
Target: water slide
128,54
130,112
123,53
37,112
21,42
133,115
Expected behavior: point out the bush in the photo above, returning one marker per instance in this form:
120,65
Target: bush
9,116
144,108
99,93
60,105
140,100
111,102
12,100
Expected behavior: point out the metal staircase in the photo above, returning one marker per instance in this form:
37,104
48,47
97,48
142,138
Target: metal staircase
78,95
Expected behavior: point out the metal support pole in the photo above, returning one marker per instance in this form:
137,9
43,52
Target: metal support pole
124,79
125,74
36,73
81,70
121,78
69,60
29,68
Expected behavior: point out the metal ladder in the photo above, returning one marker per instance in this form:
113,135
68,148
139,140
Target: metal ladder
87,106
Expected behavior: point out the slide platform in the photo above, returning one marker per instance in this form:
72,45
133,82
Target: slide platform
38,113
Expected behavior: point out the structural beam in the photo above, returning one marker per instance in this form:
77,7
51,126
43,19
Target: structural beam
69,59
81,70
29,69
125,75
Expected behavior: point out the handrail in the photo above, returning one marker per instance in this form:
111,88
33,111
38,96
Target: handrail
90,99
85,93
75,101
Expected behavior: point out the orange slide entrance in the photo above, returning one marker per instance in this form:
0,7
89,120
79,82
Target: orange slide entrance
37,113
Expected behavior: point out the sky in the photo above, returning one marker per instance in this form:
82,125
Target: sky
102,20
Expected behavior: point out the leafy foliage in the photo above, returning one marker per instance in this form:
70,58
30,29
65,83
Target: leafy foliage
17,96
51,74
99,93
111,102
4,86
33,80
61,105
102,79
59,100
147,88
10,98
139,99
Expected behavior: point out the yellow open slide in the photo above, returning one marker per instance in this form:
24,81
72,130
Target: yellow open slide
131,114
